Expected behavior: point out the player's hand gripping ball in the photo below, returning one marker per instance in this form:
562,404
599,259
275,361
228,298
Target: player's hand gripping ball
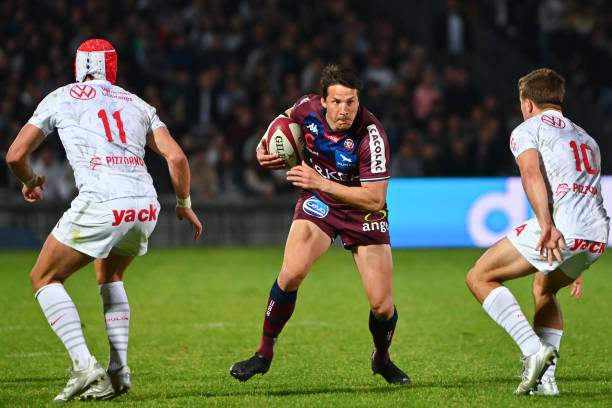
285,138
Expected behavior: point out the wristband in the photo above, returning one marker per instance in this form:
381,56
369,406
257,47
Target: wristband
31,181
183,202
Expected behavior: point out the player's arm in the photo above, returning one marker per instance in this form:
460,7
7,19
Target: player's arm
370,196
269,161
18,160
164,144
536,189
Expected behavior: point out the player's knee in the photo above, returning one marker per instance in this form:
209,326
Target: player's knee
37,280
473,277
291,279
383,309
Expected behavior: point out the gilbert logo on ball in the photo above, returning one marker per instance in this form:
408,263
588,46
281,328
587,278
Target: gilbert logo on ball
285,138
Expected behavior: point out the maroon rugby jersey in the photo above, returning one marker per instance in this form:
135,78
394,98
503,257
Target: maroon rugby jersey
350,157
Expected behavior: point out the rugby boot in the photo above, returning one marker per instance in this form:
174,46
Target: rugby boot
548,387
99,390
114,384
80,381
243,370
121,380
391,373
534,367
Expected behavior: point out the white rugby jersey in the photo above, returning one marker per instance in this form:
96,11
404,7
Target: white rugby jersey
572,162
103,129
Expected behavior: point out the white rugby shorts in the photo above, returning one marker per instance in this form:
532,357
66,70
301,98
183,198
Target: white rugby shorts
121,226
577,257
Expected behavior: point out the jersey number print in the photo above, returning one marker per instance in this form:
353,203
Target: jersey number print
585,157
117,115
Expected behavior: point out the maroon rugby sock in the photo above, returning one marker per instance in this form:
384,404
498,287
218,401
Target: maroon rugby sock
279,310
382,334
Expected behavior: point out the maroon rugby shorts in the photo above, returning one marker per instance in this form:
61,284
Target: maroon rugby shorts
355,227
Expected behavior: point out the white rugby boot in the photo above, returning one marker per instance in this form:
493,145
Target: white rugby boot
121,380
80,381
99,390
534,367
548,387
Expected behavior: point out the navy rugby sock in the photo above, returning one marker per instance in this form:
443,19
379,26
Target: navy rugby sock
382,334
279,310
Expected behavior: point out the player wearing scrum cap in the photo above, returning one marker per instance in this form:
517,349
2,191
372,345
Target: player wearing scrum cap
344,189
104,130
560,169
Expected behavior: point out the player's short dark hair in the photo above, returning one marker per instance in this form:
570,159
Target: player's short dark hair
336,75
543,86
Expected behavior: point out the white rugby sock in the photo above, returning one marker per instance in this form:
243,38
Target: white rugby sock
62,315
501,305
552,337
117,318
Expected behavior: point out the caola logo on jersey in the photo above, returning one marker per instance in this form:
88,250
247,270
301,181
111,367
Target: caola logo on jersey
375,221
82,92
377,151
315,207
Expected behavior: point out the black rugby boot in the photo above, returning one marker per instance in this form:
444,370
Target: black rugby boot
391,373
243,370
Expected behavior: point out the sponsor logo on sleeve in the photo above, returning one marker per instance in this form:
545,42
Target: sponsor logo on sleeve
377,151
315,207
513,144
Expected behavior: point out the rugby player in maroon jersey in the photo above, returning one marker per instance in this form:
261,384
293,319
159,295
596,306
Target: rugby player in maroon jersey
344,187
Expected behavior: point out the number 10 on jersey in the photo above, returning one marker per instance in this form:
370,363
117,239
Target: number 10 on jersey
117,115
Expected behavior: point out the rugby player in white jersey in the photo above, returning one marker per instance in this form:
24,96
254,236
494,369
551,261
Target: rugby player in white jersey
560,170
104,130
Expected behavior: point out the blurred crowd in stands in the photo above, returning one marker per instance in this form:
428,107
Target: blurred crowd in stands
219,70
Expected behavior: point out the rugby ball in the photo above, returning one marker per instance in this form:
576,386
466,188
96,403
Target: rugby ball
285,138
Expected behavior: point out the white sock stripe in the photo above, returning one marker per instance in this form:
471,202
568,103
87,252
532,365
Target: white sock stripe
62,334
68,340
47,311
507,312
527,334
124,326
75,345
115,311
517,328
63,309
57,328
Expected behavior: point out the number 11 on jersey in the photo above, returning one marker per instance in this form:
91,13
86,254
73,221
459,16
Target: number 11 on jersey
117,115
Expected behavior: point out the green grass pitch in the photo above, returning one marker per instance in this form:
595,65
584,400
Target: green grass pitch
197,311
